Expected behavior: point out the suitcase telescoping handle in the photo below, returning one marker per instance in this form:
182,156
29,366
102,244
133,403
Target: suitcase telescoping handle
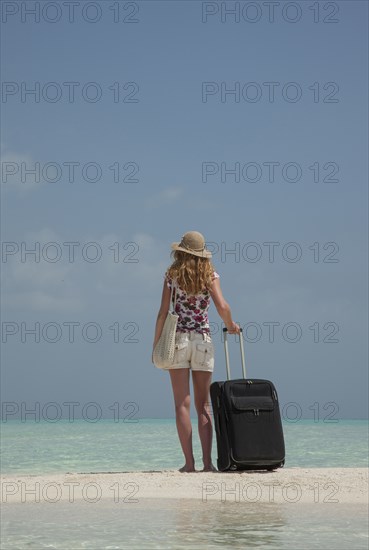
225,332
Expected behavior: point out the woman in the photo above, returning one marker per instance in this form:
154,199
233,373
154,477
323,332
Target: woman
196,281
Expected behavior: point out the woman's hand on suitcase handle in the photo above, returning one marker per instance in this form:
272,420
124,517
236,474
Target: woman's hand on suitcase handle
233,328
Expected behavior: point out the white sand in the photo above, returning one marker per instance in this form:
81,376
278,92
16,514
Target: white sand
285,485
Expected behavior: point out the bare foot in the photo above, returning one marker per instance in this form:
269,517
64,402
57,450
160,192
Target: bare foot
187,469
210,468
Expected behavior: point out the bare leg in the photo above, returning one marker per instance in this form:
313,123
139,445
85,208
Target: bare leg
201,384
180,379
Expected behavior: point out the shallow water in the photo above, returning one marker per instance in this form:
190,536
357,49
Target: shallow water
184,524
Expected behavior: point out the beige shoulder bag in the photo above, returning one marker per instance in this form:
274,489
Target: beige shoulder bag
163,355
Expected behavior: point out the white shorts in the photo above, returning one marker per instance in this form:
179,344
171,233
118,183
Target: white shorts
193,351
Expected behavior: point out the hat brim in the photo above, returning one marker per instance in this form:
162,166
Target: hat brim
203,254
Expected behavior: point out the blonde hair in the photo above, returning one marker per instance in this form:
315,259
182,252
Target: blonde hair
192,273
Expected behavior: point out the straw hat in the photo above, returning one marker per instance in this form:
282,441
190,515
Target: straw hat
193,242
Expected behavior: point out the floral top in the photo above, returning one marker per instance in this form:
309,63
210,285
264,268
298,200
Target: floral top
192,310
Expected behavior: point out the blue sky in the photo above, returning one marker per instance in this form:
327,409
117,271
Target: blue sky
165,139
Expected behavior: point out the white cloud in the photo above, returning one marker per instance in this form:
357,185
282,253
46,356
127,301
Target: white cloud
172,193
134,286
169,195
39,301
82,285
13,165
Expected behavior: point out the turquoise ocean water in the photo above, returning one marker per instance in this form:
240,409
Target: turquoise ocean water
152,444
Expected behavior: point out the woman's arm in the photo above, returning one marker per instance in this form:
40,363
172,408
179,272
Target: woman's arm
223,308
163,311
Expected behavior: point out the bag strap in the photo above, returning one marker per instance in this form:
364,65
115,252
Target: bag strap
175,296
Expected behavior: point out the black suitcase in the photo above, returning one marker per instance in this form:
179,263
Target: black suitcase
247,421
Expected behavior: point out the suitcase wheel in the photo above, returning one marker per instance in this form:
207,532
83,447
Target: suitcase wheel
280,465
